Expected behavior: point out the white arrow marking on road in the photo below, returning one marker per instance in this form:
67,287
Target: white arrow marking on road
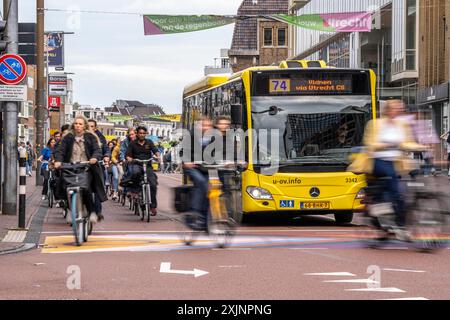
404,270
354,281
392,290
332,274
165,268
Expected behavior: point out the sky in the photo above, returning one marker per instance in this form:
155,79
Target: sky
112,59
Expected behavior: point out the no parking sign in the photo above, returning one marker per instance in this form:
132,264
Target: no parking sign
13,69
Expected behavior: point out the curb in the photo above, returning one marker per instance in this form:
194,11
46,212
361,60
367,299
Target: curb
20,248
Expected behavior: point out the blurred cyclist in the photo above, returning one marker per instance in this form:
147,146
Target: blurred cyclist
386,140
199,175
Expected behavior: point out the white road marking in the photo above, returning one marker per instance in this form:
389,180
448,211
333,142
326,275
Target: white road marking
308,248
165,268
404,270
332,274
390,290
15,236
413,298
353,281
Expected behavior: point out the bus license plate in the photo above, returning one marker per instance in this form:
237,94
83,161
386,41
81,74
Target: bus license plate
314,205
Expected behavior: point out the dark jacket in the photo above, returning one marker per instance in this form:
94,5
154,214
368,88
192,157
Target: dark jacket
105,149
64,153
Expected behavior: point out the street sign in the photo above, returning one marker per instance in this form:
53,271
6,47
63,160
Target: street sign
54,103
57,84
13,93
13,69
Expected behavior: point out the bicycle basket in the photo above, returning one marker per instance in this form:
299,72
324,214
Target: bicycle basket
183,198
77,178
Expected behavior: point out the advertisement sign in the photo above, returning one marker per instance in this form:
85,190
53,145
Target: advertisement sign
54,48
57,84
54,103
165,24
169,117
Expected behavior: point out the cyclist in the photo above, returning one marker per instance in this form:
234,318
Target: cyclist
45,158
58,181
199,175
131,136
80,145
386,140
115,167
106,156
143,149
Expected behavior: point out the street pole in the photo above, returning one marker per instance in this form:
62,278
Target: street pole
41,111
10,117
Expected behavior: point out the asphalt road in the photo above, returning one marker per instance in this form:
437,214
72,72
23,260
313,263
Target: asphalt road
270,259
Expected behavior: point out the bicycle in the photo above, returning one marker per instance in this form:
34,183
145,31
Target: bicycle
142,202
425,218
221,222
77,179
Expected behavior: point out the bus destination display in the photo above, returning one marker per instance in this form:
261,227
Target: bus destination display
310,87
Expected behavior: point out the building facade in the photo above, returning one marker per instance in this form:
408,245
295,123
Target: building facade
258,41
434,67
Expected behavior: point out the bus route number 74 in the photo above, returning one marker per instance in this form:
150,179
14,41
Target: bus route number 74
280,85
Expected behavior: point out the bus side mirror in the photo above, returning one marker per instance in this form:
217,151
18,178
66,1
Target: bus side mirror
236,114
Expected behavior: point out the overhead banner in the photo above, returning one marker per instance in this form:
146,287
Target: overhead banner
54,48
164,24
330,22
118,119
327,22
169,117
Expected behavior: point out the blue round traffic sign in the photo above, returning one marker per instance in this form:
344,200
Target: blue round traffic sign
13,69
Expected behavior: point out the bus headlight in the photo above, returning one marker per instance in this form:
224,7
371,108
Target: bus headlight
259,193
361,195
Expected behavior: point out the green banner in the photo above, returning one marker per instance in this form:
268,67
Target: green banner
164,24
116,119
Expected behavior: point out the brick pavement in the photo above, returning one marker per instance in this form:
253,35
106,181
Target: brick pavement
10,222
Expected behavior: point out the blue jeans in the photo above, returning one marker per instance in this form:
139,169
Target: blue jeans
115,180
28,165
391,187
199,200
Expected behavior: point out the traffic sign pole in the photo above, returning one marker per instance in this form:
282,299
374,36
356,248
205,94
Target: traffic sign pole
11,70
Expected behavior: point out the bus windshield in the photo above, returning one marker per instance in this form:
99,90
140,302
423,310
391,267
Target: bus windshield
312,130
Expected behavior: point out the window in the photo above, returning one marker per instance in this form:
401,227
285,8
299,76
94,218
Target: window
268,37
282,37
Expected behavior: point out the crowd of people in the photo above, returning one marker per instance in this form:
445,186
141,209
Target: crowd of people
112,163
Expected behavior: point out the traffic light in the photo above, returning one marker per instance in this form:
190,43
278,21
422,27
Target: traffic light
3,42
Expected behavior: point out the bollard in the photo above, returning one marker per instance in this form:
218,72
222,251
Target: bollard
22,187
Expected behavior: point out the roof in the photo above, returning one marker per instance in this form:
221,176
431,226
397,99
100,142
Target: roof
246,30
206,82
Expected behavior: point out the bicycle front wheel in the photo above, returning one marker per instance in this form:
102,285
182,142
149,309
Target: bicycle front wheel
426,221
75,223
146,201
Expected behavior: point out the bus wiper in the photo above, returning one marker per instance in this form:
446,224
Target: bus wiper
273,111
355,108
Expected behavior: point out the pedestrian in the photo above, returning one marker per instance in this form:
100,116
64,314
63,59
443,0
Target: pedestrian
30,158
167,161
446,138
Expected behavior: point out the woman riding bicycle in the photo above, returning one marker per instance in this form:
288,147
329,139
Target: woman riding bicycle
45,158
386,141
80,145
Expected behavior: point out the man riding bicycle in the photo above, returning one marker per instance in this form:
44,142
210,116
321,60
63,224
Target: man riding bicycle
143,149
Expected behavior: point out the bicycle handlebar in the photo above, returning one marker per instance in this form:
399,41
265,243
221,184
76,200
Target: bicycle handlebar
145,161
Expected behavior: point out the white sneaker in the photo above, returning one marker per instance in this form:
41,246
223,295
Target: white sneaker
93,217
44,197
69,217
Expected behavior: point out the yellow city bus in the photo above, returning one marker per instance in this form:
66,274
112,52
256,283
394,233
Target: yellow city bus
320,114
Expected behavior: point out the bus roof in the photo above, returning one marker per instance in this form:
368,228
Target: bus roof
205,83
